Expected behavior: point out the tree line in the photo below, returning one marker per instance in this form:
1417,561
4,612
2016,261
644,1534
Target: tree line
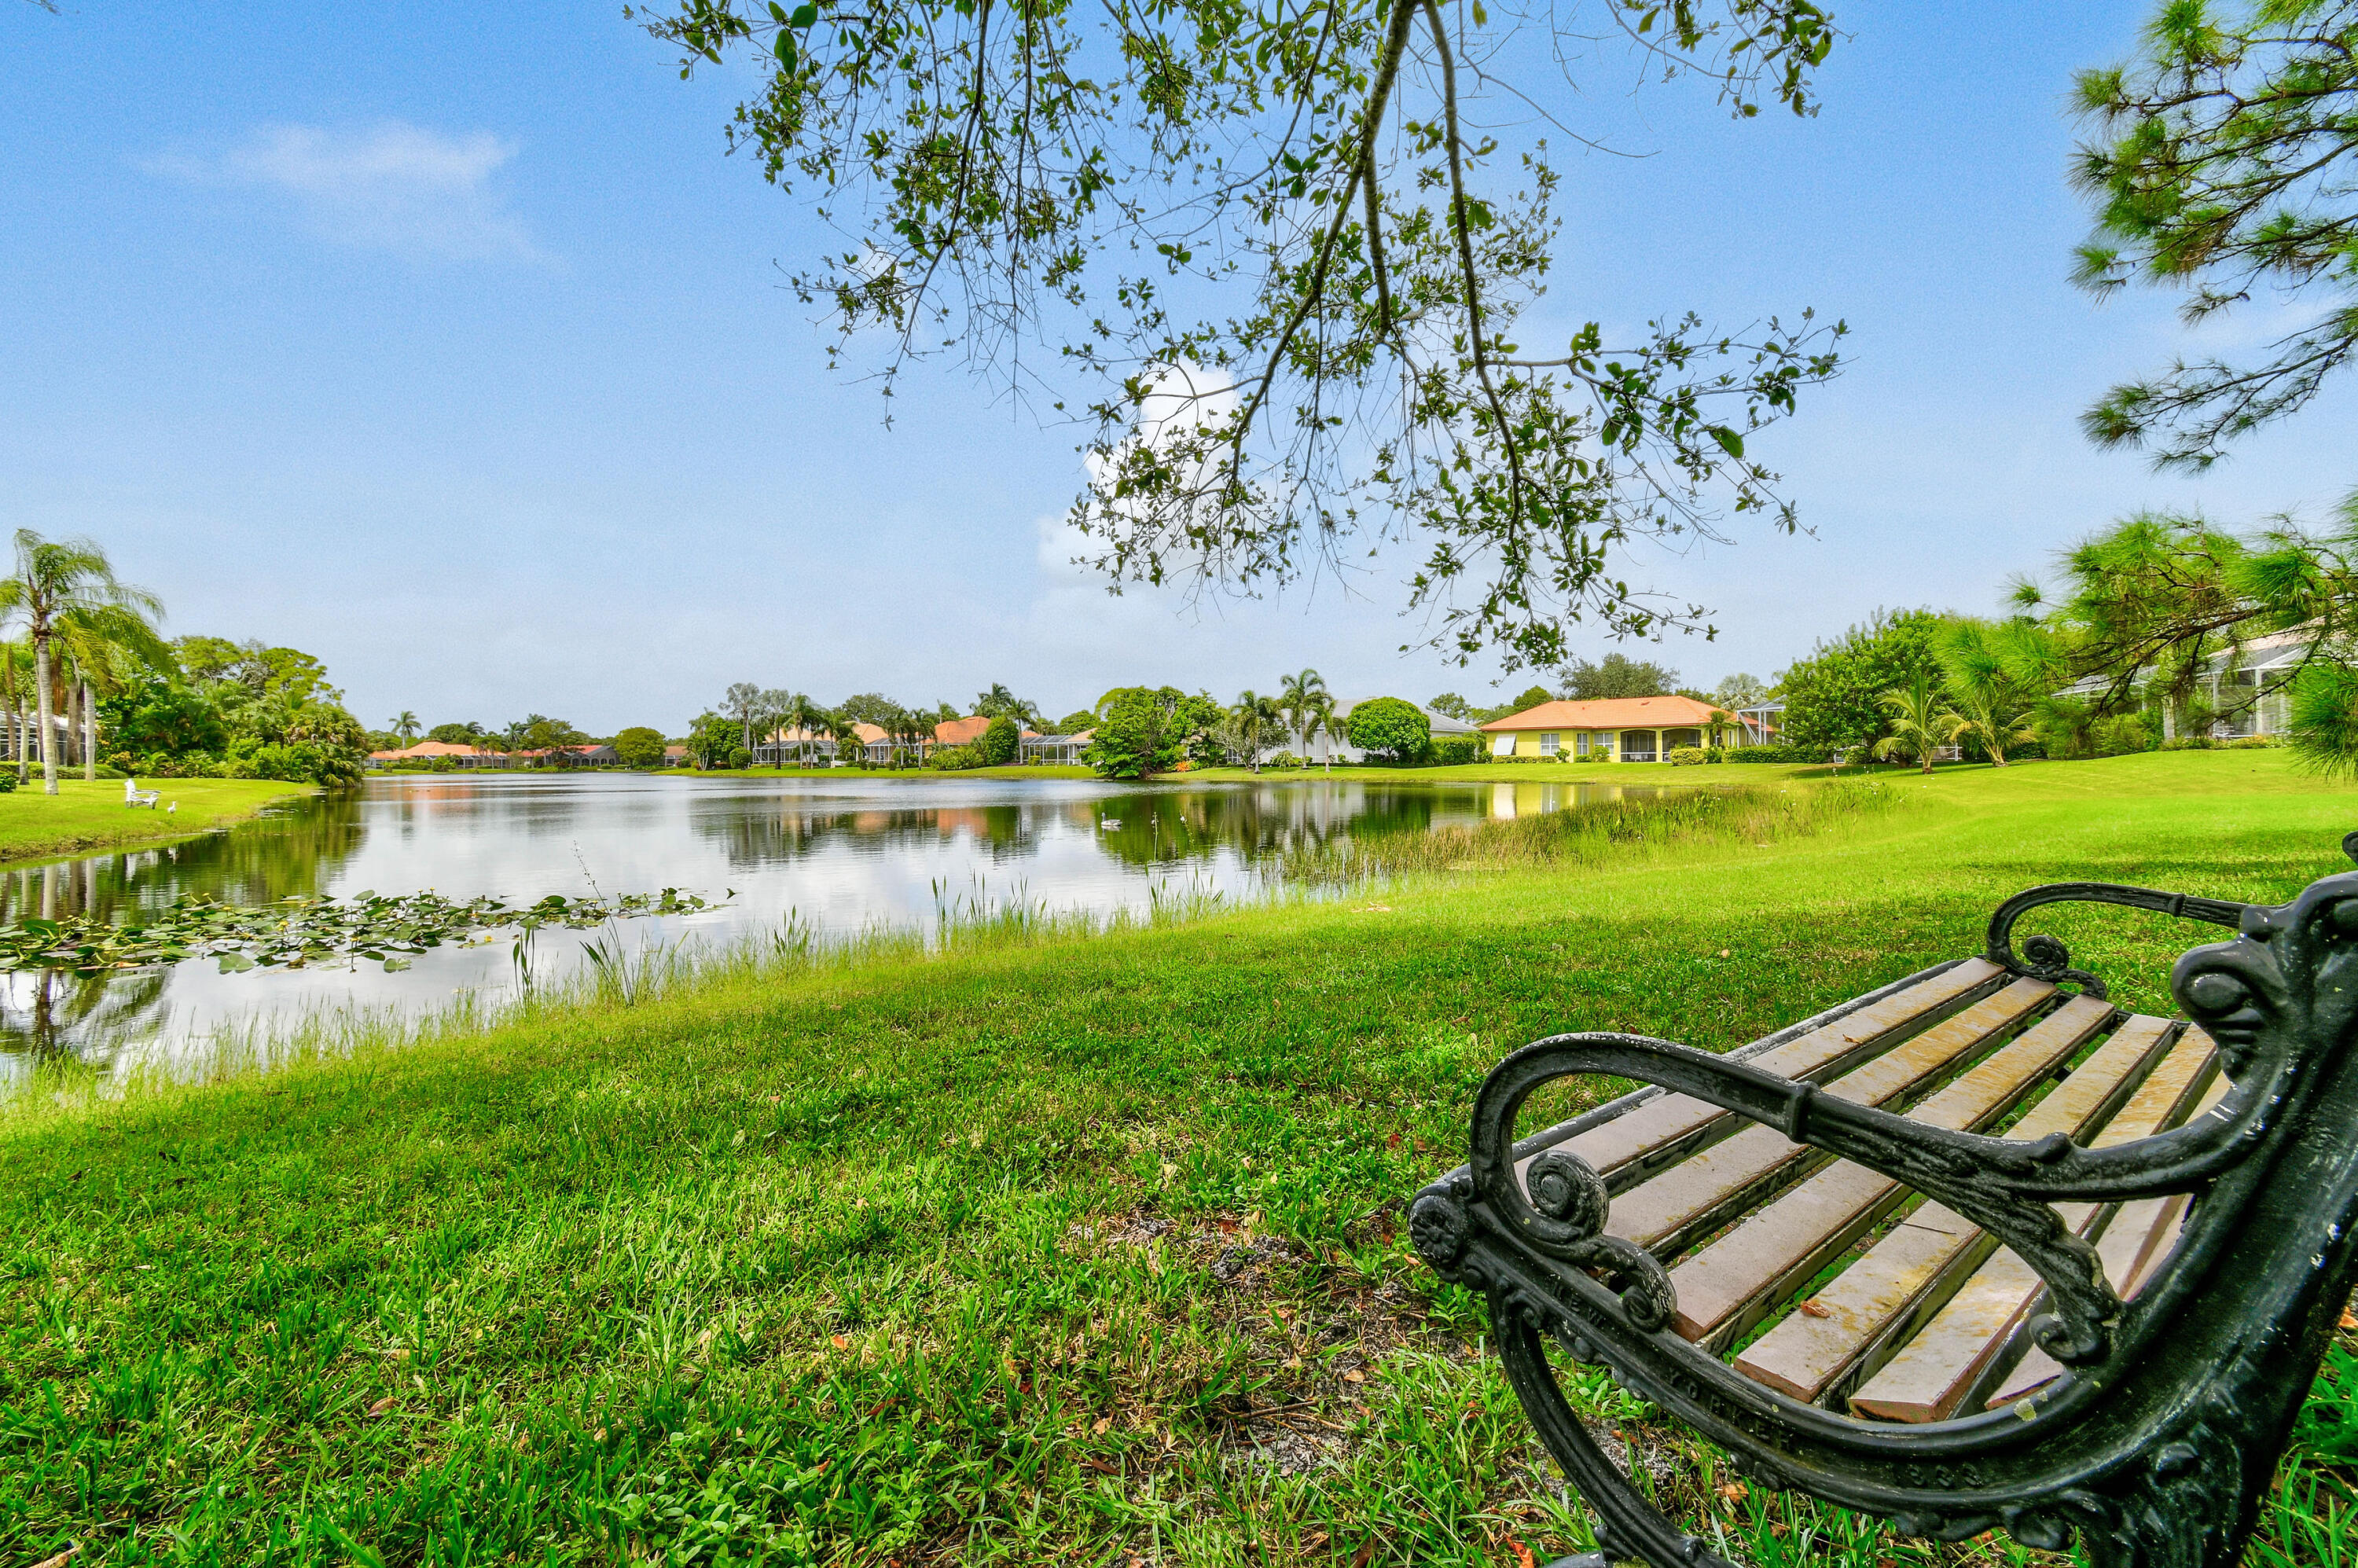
107,689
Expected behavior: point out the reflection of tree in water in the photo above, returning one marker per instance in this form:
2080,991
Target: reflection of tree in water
297,851
51,1016
1160,827
48,1016
789,832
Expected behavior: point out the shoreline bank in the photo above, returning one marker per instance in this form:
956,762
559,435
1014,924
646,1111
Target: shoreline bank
85,816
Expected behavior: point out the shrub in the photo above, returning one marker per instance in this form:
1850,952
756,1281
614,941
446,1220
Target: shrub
1833,698
2255,742
2187,743
290,761
1779,754
640,747
1000,740
2123,733
8,780
1457,750
1687,756
740,757
956,759
1387,724
1141,731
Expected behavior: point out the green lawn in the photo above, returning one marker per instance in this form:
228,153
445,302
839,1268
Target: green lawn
91,815
1064,1250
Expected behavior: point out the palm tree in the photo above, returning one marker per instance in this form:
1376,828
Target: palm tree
96,647
515,735
1989,717
1916,721
13,654
54,578
406,725
1326,725
909,730
1254,714
1298,698
804,717
743,703
844,730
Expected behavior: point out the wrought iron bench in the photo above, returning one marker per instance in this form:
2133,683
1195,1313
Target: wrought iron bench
1977,1249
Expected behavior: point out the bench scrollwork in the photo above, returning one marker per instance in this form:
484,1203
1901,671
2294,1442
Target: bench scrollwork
2154,1444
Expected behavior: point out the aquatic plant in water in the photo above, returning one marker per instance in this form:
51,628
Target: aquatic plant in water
302,930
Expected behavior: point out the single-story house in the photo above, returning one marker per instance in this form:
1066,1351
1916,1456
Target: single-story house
785,748
1620,728
1063,748
2248,689
675,756
427,751
967,730
1324,748
1764,723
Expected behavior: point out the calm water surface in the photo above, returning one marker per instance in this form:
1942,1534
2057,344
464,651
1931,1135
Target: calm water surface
837,856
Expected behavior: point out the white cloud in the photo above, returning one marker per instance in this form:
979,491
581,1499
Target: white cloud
394,187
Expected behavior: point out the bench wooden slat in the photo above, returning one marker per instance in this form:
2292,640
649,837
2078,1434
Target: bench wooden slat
1902,1280
2134,1243
1731,1284
1839,1046
1669,1210
1938,1370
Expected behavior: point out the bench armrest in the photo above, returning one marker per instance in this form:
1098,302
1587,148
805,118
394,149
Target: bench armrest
2044,958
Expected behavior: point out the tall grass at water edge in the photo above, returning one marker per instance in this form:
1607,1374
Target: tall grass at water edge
1599,833
615,976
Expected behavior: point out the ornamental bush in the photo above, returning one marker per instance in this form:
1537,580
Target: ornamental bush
640,747
1397,728
1687,757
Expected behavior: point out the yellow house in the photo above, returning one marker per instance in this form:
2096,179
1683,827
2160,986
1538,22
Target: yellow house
1615,729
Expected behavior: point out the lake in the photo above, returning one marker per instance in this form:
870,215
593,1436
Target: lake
836,856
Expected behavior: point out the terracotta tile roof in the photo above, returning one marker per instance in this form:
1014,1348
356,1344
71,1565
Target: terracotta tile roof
961,731
1611,713
870,734
425,748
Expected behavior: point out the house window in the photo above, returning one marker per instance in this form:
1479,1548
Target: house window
1550,744
1580,744
1504,746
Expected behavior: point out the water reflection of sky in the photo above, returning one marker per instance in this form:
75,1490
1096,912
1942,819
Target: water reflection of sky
837,855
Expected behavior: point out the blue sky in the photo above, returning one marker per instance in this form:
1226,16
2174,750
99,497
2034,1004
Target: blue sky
455,353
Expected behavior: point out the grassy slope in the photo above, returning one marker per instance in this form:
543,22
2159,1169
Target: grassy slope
1075,1252
86,816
